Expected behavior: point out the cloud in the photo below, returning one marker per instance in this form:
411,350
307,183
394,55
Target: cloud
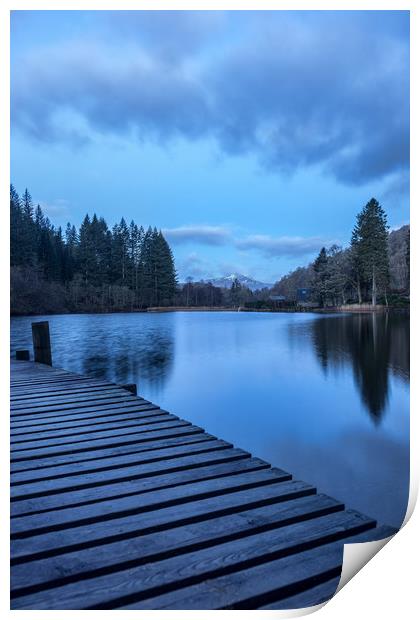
206,235
220,236
295,89
282,246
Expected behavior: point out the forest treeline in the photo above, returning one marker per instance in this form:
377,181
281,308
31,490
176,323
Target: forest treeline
91,269
128,267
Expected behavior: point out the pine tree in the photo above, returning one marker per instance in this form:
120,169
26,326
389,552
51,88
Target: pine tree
86,253
16,225
28,231
120,253
356,269
321,275
70,253
147,283
370,242
164,270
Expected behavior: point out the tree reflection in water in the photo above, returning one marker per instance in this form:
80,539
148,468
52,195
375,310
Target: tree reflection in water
375,344
132,357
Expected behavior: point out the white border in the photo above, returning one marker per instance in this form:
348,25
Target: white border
387,586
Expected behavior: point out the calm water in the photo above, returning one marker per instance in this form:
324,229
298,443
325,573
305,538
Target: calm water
325,397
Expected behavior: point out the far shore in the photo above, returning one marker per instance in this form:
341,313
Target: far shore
351,308
356,308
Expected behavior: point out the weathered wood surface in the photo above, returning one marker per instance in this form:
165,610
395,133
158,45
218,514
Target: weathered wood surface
116,503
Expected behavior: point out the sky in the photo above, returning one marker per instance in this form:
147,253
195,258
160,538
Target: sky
251,138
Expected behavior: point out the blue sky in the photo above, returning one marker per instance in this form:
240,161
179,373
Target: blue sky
250,138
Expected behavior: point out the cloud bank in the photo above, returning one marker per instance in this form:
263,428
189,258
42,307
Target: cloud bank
207,235
289,247
268,246
294,89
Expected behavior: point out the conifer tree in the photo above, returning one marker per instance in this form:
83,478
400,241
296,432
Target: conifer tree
28,231
321,275
164,270
85,251
16,248
370,243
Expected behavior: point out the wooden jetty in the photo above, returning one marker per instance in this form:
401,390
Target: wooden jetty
117,504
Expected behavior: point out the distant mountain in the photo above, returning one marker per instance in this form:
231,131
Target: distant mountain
226,282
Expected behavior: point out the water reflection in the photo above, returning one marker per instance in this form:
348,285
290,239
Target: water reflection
125,358
120,348
374,345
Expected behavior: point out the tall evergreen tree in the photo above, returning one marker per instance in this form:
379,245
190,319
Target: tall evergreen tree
147,283
164,270
321,275
370,243
28,232
86,254
120,252
16,223
71,249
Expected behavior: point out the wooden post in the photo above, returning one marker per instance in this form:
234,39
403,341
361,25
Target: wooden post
22,355
41,340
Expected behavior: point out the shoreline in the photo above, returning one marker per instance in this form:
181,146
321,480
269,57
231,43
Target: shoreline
350,309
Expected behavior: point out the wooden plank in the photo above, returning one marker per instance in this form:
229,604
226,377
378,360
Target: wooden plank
134,487
42,382
42,391
141,582
85,430
109,463
90,535
36,378
19,447
95,455
99,444
126,397
71,567
18,428
70,398
85,414
77,393
121,472
25,527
